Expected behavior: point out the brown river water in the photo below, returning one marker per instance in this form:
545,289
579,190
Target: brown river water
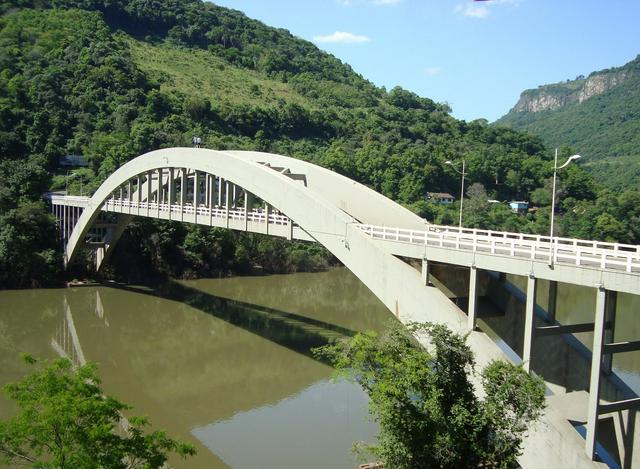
226,365
221,363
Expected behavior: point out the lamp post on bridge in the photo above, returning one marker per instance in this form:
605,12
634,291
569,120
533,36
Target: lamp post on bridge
553,194
463,174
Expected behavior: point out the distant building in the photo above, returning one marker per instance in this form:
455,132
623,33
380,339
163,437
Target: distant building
443,198
73,161
519,206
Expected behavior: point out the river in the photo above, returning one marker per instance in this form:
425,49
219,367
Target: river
221,363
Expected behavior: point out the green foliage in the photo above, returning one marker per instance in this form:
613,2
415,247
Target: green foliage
29,255
425,403
65,421
112,80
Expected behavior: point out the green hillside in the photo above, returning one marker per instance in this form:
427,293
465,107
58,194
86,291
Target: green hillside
113,80
604,128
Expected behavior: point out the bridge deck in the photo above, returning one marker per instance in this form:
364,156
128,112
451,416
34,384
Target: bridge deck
580,262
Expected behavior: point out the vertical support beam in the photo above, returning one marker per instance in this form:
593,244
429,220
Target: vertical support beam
205,200
64,223
159,191
596,360
149,189
267,211
552,300
220,191
226,201
139,194
529,321
425,271
234,200
172,192
246,210
212,197
196,195
472,309
183,191
130,193
611,303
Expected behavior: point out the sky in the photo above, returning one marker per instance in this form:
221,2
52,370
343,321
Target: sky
477,56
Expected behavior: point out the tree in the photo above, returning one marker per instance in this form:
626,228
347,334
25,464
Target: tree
425,403
65,421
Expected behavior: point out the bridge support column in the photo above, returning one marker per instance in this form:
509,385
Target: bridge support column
529,321
553,298
425,271
472,309
596,360
183,191
611,303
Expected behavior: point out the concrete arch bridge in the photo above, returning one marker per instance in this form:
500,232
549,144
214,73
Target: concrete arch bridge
368,233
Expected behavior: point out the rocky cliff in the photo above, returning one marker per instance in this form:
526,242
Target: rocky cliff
558,95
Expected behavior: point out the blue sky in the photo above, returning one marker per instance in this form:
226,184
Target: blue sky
477,56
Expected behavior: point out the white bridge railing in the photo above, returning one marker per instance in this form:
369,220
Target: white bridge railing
254,215
579,252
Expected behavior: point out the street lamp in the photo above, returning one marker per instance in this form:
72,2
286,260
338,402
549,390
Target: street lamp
553,194
450,163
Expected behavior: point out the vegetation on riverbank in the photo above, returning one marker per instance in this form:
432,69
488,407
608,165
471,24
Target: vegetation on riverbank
64,420
425,403
112,80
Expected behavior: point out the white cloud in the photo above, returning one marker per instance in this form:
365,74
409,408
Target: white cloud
431,71
479,10
342,37
473,10
350,3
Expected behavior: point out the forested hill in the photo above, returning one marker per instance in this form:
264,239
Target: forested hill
599,116
111,80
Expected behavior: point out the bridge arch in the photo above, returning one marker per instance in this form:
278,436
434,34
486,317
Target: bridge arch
309,206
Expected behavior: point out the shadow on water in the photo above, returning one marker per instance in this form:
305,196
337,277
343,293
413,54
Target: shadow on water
293,331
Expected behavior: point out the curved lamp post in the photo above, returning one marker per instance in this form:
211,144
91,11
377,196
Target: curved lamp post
450,163
553,194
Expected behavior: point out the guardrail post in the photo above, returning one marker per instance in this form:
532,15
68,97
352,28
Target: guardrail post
472,308
529,321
